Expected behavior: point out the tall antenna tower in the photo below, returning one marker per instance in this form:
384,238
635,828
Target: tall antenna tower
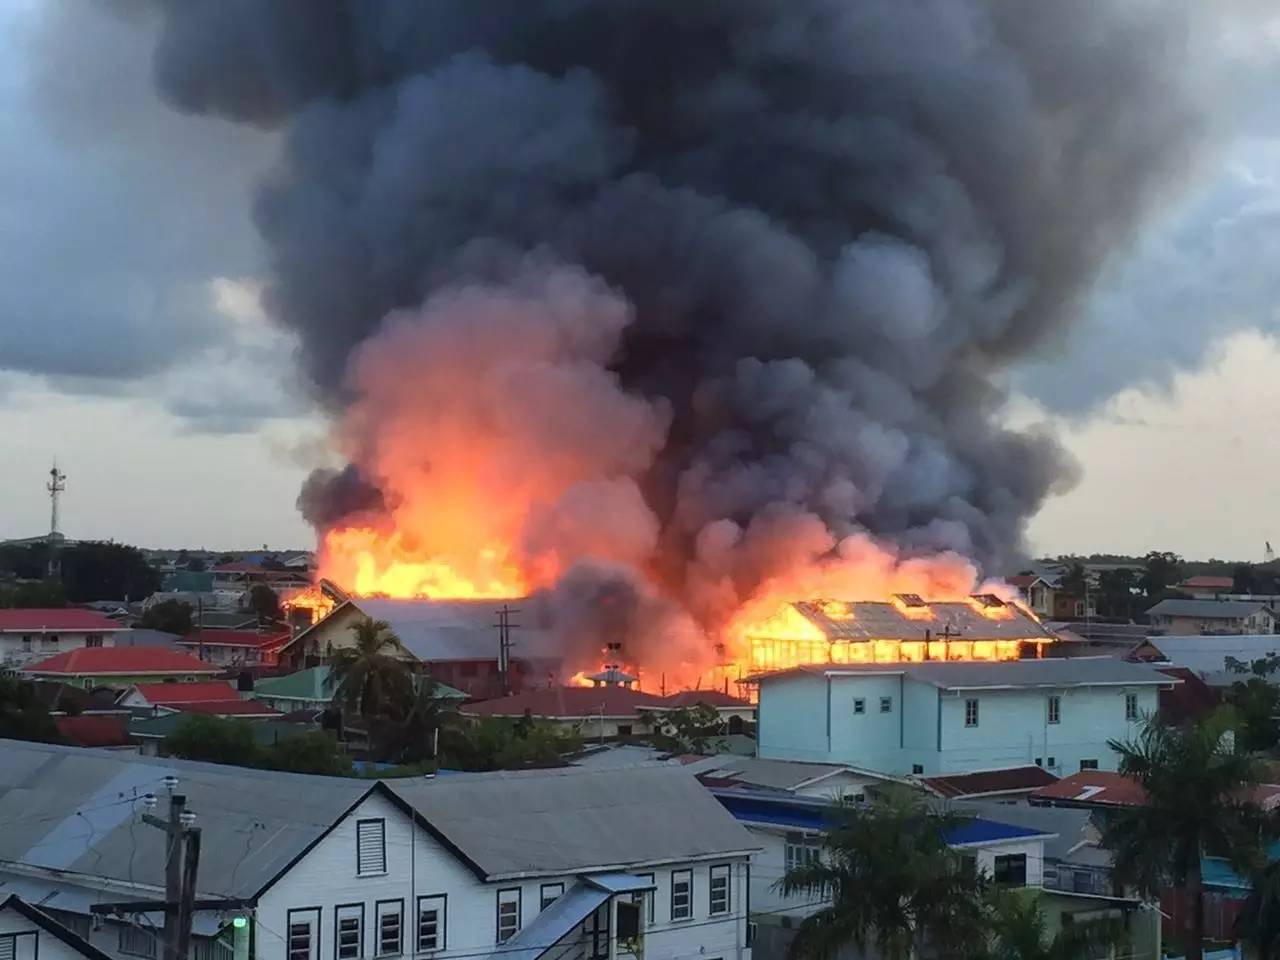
57,483
1268,554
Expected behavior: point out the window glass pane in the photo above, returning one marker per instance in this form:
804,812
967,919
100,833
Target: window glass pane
431,923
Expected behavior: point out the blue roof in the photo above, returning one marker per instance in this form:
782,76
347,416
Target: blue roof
810,814
553,924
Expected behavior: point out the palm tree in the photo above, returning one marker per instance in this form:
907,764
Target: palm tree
371,676
1019,932
891,879
1197,803
1258,923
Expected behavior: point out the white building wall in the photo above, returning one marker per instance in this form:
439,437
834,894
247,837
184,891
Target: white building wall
18,648
44,945
418,865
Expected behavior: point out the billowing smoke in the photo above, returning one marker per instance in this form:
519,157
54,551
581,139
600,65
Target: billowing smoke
714,290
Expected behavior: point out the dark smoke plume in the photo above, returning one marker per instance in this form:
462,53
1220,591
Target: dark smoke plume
836,221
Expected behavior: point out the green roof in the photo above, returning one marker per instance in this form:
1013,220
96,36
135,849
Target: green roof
267,732
313,684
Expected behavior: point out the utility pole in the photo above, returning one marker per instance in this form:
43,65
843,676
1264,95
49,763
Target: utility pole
505,625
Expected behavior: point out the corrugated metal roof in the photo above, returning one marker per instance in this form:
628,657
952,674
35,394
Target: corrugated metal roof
996,674
1069,826
874,620
443,630
783,775
1206,609
566,821
552,924
1207,655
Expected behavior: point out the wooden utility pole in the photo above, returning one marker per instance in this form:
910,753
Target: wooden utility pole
182,861
505,625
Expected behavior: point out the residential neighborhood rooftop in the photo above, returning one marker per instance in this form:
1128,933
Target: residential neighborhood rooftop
999,674
876,620
1206,609
986,783
568,702
120,661
56,618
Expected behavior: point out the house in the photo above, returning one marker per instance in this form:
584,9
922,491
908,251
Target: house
1192,617
121,667
456,641
947,717
108,732
733,711
825,781
216,698
302,690
525,864
32,634
235,647
592,712
1218,660
1103,789
1046,596
28,934
906,629
1205,587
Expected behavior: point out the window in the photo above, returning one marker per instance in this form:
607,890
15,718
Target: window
549,894
595,929
719,890
917,768
1053,763
1088,764
26,642
802,849
971,713
681,894
646,897
50,642
886,704
431,922
624,729
859,705
1039,761
390,927
137,941
19,946
302,928
348,931
1055,709
1131,706
371,847
508,913
93,640
1079,608
1010,870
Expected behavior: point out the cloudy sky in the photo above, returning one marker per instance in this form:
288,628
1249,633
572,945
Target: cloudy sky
133,349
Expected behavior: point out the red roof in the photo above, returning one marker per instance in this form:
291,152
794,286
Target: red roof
174,694
94,731
1206,582
712,698
988,782
53,618
1022,580
568,702
234,638
121,661
228,708
1097,787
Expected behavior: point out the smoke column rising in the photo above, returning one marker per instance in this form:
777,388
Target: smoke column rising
690,296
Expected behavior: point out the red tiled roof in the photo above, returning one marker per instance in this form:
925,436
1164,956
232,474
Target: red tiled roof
987,782
1206,582
174,694
712,698
121,661
228,708
47,618
94,731
566,702
234,638
1098,787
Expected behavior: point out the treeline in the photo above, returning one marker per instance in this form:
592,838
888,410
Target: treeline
74,573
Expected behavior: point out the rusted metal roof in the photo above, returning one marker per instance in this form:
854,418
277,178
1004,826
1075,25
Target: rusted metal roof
877,620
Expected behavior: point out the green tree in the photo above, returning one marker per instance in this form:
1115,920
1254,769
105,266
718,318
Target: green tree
1197,804
372,676
695,729
1258,922
22,715
1115,593
412,737
169,616
498,743
1257,704
106,571
313,752
1161,570
265,602
1243,579
892,880
216,740
1019,931
38,594
1076,580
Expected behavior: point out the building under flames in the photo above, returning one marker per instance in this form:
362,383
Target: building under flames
906,629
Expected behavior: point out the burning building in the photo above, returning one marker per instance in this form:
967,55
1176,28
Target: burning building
671,314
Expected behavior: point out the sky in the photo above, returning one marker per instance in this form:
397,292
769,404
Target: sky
134,352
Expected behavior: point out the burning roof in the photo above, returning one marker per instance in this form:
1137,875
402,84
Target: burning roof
908,617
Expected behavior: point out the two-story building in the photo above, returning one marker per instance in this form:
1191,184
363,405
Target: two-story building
567,864
121,667
32,634
1190,617
957,716
28,934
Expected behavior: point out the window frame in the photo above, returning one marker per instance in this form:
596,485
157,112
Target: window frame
715,873
886,704
442,923
316,914
649,897
688,914
497,912
378,914
1053,709
973,716
1088,763
1008,858
543,902
808,845
16,937
338,909
382,844
859,706
1131,707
